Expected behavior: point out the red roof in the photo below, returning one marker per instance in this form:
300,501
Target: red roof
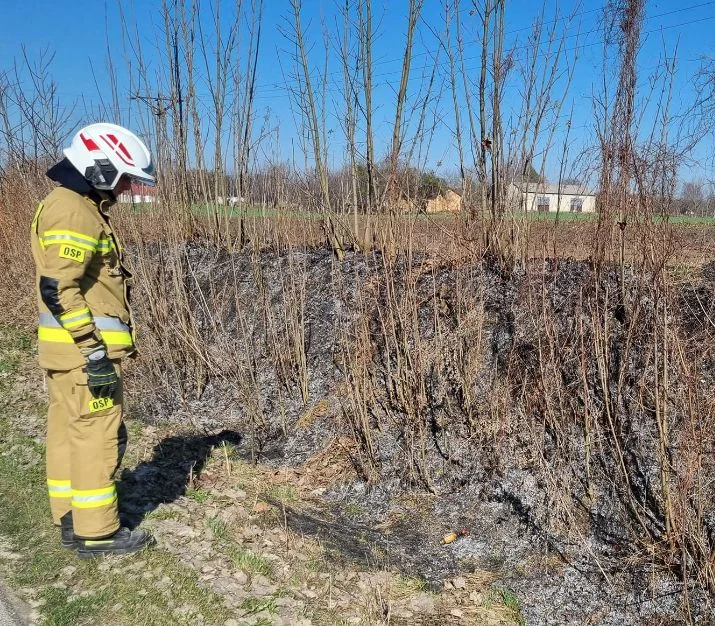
140,189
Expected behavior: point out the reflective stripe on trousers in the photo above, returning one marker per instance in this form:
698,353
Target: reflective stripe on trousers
75,319
94,498
59,488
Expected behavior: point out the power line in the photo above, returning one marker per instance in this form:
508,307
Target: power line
271,90
267,89
155,103
277,88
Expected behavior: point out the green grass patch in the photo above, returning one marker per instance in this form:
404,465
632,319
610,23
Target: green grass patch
283,493
315,565
161,513
134,427
552,216
92,593
254,211
256,605
249,561
16,347
354,509
688,220
510,600
199,495
62,610
219,528
230,451
412,584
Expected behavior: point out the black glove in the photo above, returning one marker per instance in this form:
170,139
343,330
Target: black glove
102,378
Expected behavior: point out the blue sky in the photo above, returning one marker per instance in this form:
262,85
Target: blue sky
80,31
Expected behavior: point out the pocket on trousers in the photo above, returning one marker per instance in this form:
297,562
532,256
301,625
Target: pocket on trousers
89,406
79,378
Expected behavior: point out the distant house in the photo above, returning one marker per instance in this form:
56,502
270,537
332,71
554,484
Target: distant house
138,194
229,200
445,202
546,198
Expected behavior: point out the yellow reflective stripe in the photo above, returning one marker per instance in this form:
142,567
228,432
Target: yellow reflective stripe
36,218
58,494
94,498
76,319
85,493
60,335
72,233
94,505
117,337
59,488
58,483
54,335
56,240
69,236
105,245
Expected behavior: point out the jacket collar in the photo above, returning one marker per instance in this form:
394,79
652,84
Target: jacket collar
66,175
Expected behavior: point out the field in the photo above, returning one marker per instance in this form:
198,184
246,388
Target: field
508,378
345,411
688,240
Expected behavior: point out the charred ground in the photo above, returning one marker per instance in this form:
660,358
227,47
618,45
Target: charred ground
558,411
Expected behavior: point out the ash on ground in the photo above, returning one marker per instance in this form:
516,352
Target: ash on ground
558,412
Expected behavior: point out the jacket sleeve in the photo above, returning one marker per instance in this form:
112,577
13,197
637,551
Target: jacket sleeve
68,240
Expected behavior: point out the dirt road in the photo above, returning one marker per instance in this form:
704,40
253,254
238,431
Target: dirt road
10,614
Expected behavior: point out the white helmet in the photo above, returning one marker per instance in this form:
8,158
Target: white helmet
103,153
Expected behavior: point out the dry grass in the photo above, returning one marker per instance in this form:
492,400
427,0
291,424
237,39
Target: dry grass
533,401
202,544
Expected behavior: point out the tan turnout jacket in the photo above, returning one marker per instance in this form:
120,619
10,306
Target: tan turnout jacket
81,282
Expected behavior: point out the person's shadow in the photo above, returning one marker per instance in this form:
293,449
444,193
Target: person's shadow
165,477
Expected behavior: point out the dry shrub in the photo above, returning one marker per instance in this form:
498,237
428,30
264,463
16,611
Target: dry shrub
20,193
594,381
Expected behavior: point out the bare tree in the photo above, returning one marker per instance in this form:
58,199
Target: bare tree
485,142
36,123
413,15
624,19
305,99
366,42
451,10
245,110
350,63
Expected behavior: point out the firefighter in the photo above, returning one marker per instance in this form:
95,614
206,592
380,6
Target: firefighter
85,329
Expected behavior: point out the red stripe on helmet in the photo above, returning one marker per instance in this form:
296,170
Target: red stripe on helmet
128,159
120,145
123,148
88,143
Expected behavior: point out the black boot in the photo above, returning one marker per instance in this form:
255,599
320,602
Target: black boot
67,539
124,541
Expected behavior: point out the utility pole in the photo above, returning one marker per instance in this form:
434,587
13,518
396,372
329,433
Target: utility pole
159,106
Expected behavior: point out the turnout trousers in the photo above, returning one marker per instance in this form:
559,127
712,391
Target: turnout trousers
86,440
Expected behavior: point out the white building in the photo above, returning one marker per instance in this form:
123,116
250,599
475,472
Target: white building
546,198
138,194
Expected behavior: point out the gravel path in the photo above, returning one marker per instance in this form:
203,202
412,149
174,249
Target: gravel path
9,614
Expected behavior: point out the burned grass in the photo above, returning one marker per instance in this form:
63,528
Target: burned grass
551,408
225,558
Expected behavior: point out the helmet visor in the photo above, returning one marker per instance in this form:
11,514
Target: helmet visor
149,179
150,173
